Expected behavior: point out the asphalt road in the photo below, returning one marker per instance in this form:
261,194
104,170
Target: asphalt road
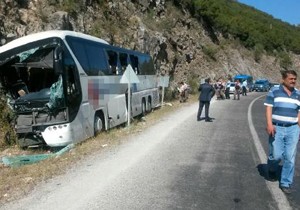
178,163
259,124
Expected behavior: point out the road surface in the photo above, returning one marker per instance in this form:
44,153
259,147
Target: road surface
178,163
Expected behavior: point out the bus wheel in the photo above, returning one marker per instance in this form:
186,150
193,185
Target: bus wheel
149,108
143,108
98,124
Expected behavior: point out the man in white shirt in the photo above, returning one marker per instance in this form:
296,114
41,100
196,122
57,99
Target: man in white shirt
244,88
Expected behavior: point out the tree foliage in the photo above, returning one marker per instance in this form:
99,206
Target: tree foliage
251,26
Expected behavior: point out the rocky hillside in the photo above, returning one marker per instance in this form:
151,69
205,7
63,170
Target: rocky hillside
180,44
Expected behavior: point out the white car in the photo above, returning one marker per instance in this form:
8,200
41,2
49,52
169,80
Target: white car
274,84
232,88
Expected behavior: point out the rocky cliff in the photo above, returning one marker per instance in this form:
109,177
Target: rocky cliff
182,46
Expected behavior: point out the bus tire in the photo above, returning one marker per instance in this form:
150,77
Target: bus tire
149,105
143,107
98,124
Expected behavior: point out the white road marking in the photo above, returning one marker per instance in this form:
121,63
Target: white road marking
277,194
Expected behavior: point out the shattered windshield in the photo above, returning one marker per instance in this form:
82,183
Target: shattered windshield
26,76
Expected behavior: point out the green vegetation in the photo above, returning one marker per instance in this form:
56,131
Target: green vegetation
258,52
285,60
75,6
7,134
170,94
210,51
193,81
71,6
255,29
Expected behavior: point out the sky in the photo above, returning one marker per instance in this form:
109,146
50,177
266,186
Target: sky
285,10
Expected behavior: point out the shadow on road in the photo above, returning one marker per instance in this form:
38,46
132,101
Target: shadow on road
203,118
263,171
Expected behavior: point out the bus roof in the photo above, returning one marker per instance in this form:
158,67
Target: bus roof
242,76
44,35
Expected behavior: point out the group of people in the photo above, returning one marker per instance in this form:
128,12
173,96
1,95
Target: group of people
282,125
239,88
223,89
220,87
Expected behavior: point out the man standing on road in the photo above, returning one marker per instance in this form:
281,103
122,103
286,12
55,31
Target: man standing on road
237,90
283,120
244,88
206,93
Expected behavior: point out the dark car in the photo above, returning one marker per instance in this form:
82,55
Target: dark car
261,85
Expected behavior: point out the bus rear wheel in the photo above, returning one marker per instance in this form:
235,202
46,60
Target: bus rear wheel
143,108
98,124
149,105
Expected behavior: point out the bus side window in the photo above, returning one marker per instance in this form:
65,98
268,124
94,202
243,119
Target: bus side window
134,60
146,65
97,63
91,56
123,61
112,61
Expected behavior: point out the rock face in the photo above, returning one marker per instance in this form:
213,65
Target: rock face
179,44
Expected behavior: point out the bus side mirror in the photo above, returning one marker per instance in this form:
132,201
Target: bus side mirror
57,60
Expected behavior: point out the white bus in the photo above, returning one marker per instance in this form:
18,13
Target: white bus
64,86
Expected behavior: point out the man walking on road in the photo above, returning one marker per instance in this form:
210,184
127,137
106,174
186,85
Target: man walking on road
244,88
206,93
237,90
283,120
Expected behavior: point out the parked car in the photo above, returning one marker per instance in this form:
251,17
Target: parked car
250,87
274,84
262,85
232,88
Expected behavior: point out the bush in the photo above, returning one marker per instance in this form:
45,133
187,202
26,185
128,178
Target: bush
170,94
210,52
71,6
258,52
285,60
7,133
193,82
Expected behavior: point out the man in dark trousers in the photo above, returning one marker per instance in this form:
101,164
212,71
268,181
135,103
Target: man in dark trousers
206,93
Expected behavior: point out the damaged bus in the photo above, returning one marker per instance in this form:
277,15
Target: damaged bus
64,86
